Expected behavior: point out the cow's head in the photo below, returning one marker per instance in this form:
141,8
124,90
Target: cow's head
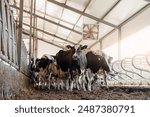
78,51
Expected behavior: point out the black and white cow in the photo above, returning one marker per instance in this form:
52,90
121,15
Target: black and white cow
90,63
32,69
42,73
68,65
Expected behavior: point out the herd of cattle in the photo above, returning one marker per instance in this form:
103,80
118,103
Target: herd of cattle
71,68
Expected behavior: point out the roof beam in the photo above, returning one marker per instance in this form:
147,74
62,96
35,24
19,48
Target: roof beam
43,18
134,15
110,9
82,13
79,19
106,13
27,33
130,18
50,34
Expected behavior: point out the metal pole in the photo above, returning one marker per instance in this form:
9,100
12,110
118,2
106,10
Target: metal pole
100,44
36,40
34,23
119,44
30,39
20,33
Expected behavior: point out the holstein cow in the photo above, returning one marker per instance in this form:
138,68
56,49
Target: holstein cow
68,65
42,69
33,76
92,63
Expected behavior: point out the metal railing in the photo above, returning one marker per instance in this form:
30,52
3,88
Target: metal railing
135,70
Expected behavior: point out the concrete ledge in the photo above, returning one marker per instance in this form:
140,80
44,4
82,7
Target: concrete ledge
11,81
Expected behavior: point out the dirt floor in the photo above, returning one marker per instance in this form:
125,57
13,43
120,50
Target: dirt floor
119,93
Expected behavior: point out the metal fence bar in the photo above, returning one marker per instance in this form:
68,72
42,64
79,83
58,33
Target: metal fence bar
131,69
139,62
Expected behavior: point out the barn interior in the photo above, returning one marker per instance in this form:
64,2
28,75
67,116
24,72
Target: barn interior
31,28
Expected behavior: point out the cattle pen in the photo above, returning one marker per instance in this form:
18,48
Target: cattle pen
30,29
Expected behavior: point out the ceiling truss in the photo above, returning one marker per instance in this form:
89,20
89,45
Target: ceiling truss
101,20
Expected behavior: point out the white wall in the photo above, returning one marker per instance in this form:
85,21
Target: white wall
135,37
135,25
110,40
96,47
110,45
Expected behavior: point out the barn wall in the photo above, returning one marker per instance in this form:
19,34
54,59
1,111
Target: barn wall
96,47
133,31
11,78
135,35
11,81
110,40
110,45
139,22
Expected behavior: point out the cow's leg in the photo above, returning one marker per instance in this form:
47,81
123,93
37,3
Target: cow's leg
95,81
55,82
84,82
67,84
80,80
49,80
43,83
77,83
71,81
36,79
105,79
71,84
67,80
58,84
62,85
89,79
39,82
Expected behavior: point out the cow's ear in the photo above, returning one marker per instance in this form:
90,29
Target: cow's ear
37,59
84,47
69,46
80,47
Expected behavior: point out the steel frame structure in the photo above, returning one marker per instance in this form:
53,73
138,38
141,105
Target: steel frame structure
82,13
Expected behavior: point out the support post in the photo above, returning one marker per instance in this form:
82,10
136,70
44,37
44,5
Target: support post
100,44
20,33
30,39
36,40
119,43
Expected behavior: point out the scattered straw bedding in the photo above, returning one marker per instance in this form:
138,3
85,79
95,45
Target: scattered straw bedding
117,93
